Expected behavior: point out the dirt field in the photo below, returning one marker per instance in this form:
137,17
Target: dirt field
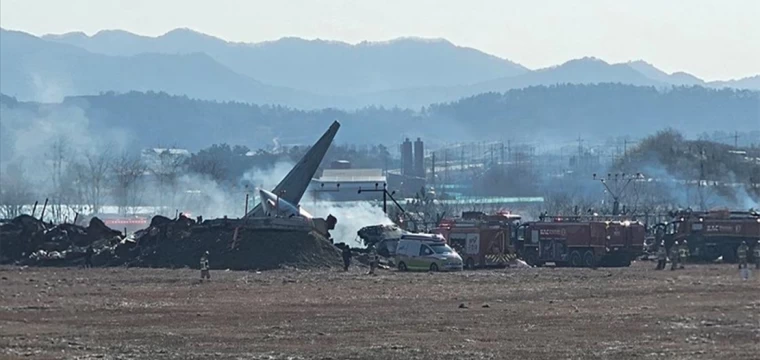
703,312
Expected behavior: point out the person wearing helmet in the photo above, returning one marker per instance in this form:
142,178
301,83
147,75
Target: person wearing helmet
662,256
683,253
756,253
741,254
204,267
674,256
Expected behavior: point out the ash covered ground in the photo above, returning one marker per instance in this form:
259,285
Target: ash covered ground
703,312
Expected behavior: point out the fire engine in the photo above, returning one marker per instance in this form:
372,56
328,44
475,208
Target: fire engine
580,242
481,240
712,234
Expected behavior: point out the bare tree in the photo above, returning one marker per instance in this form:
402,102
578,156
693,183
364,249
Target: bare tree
127,171
61,189
167,167
15,191
92,178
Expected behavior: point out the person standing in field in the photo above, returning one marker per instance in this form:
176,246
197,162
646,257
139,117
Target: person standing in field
757,255
373,260
204,267
346,257
674,255
662,256
88,257
741,254
683,253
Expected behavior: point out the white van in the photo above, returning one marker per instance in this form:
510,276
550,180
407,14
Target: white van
426,252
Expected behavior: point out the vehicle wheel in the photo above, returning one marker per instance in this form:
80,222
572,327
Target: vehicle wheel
531,258
588,259
470,264
434,267
402,266
576,260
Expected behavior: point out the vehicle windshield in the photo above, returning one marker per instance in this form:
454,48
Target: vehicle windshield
441,249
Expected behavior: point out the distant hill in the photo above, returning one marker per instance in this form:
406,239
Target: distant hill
540,115
326,67
752,82
678,79
36,69
406,73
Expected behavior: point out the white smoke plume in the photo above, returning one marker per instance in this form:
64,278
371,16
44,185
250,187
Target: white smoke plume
351,216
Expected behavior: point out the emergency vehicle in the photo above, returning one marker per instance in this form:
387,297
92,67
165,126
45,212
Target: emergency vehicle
712,234
482,240
580,242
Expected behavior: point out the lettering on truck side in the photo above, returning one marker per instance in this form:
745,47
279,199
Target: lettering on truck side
724,228
553,232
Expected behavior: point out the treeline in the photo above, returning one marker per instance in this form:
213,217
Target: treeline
537,114
701,174
209,181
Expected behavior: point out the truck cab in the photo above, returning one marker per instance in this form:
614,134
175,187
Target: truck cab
712,234
481,240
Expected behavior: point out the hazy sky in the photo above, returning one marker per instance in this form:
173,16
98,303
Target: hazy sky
713,39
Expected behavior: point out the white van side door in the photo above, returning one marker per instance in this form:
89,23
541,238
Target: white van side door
414,248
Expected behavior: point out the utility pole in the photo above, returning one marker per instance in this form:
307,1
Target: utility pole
736,139
462,159
446,165
702,181
501,155
490,147
432,169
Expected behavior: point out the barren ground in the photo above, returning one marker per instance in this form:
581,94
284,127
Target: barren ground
703,312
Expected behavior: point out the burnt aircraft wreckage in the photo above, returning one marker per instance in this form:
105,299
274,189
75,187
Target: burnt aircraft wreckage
280,206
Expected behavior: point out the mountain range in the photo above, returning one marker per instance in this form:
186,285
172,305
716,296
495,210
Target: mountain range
406,72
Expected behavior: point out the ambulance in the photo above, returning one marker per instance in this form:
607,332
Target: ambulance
426,252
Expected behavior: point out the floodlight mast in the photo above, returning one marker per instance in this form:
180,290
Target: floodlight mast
616,195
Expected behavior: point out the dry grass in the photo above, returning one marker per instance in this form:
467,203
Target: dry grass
703,312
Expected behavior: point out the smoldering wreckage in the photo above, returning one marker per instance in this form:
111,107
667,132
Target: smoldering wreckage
278,233
169,243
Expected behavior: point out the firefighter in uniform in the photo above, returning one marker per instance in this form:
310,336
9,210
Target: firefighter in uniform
674,255
756,253
346,253
741,253
372,260
683,253
204,267
662,256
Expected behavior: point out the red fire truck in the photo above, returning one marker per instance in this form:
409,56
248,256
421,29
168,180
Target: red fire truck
481,240
580,242
714,233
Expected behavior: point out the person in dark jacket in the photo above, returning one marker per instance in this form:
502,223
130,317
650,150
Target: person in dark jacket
88,257
346,257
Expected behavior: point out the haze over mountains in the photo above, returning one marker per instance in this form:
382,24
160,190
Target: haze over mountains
308,74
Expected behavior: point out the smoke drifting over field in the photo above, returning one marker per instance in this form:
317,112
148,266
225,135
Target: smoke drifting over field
50,152
57,152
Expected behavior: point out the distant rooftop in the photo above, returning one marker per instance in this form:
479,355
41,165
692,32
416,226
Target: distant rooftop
352,175
173,151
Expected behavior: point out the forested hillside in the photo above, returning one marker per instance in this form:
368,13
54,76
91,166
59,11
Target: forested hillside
535,114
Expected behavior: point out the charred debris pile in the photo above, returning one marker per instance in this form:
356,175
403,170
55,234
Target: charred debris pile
168,243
